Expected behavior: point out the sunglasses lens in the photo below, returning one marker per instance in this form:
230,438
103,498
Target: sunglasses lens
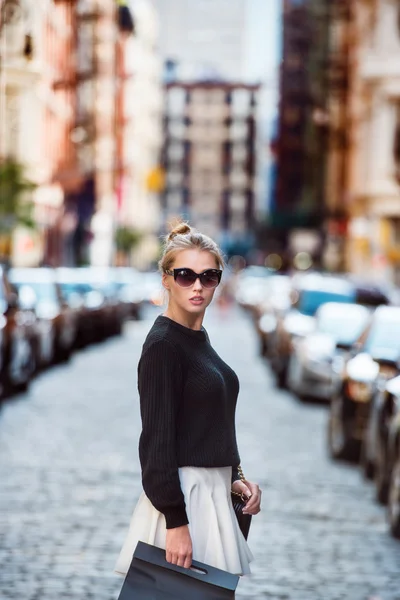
210,279
185,278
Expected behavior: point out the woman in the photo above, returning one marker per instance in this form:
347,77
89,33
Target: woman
187,447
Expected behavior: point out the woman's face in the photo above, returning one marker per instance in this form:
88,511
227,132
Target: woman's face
196,298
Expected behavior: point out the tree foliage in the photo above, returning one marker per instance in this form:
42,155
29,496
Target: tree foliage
127,238
15,208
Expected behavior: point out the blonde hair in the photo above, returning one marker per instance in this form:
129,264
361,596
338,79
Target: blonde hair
184,237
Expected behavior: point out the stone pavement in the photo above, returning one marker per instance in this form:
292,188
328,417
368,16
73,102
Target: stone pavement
69,477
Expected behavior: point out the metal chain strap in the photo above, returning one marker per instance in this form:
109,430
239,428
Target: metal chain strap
242,478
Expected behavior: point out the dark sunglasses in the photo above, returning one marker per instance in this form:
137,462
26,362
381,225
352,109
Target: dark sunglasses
209,278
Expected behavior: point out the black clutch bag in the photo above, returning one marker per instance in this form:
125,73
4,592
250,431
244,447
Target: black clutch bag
151,577
238,503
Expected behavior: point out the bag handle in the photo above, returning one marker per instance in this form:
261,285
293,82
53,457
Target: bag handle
202,572
242,478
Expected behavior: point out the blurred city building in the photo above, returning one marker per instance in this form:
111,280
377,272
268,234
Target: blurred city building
98,34
140,179
373,191
228,41
301,144
339,127
33,115
337,191
210,158
81,104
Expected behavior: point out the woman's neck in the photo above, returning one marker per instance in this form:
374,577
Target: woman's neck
183,318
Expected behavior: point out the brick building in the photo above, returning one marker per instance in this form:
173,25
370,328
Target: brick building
209,158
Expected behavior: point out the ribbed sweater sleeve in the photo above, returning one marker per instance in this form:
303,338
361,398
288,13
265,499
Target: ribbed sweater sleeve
235,474
160,384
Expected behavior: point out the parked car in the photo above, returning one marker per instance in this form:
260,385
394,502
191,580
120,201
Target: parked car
314,357
56,317
275,303
308,294
375,444
393,462
17,340
114,310
79,292
382,448
128,284
251,285
373,361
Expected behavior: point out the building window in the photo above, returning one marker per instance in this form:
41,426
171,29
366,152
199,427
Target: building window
294,62
85,99
395,227
12,123
86,47
175,152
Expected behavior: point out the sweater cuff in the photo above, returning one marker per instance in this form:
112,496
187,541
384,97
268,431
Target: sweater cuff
175,517
235,474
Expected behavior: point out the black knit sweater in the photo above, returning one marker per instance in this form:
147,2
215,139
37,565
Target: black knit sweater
187,401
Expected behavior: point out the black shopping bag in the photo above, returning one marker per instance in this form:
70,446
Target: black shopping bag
151,577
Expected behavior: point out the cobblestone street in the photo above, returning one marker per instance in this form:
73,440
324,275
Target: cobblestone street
69,476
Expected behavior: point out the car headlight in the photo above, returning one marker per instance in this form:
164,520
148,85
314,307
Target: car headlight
359,391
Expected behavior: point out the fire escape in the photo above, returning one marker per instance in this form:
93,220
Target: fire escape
76,79
340,125
294,105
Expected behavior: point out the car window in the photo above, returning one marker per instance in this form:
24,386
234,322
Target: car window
45,291
309,301
344,326
384,338
75,288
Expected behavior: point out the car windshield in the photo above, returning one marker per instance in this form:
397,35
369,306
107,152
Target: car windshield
344,325
75,288
383,339
255,271
45,290
310,300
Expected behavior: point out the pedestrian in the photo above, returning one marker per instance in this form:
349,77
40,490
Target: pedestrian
188,451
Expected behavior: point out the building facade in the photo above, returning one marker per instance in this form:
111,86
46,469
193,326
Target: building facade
32,115
374,187
62,86
301,144
140,178
209,159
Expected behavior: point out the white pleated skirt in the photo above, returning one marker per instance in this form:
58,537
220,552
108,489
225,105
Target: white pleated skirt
216,536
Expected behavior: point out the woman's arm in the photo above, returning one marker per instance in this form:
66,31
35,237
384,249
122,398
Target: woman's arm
235,474
160,387
251,490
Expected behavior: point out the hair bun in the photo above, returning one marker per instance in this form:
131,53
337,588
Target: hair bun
179,229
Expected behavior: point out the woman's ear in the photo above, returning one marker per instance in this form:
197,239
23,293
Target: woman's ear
164,281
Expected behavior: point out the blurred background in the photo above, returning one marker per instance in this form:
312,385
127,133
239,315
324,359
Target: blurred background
118,117
274,127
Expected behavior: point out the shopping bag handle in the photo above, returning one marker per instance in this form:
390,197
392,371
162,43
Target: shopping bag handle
198,570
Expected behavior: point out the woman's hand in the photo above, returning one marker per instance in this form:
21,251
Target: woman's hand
179,547
253,493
